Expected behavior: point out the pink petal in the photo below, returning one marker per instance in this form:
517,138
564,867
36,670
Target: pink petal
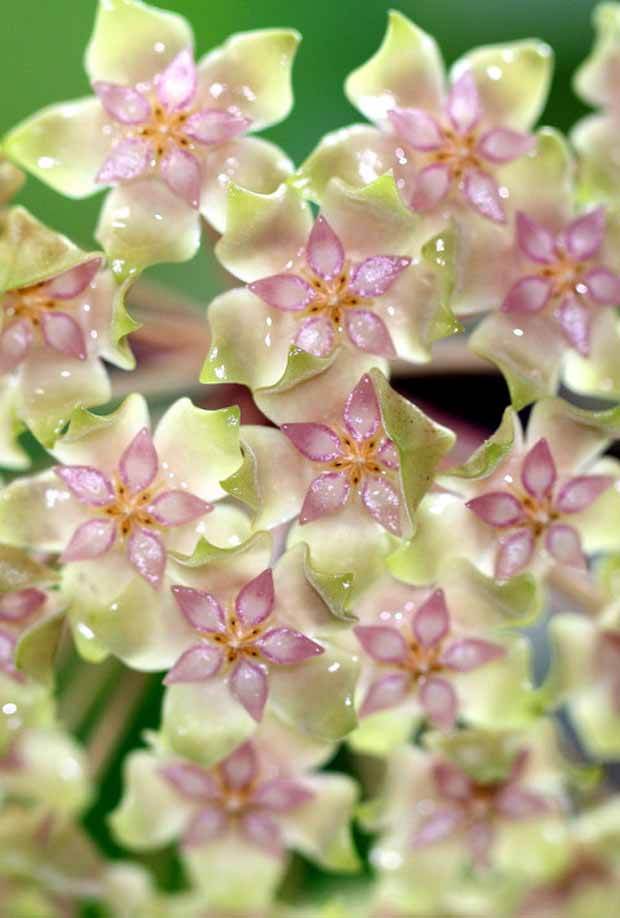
382,643
431,186
502,145
585,235
176,85
287,646
207,825
538,473
18,605
564,543
535,240
122,103
197,664
174,508
463,103
375,275
200,609
603,286
282,795
483,194
15,343
368,332
388,454
578,493
386,692
62,333
431,622
324,251
88,484
191,781
254,603
138,464
128,158
326,494
71,283
317,442
240,769
248,684
181,172
146,552
440,825
382,501
287,292
520,803
7,654
514,553
316,336
212,125
262,830
361,415
90,540
451,782
480,837
575,320
417,128
527,295
470,653
496,508
438,699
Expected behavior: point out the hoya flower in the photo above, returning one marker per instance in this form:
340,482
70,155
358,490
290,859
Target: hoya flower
446,140
164,131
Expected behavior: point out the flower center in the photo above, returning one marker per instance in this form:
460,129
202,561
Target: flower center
165,128
237,641
28,303
458,152
131,510
359,458
332,297
565,276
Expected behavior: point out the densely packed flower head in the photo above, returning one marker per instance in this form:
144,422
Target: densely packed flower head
357,640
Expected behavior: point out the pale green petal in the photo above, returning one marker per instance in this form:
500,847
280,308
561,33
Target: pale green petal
111,321
12,455
321,829
599,525
479,602
599,373
235,874
38,513
596,79
596,722
543,844
382,732
542,183
499,695
573,642
576,436
485,460
18,570
11,180
37,648
22,705
596,140
223,571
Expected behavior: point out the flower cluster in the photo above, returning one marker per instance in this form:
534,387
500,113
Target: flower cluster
346,623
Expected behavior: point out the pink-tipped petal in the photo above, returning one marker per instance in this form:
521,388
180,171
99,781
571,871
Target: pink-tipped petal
123,103
502,145
15,343
317,442
200,609
514,553
451,781
603,286
386,692
438,700
388,454
197,664
538,473
190,781
128,158
147,554
575,320
496,508
382,643
326,494
62,333
382,501
463,103
535,240
431,622
18,605
287,646
181,172
261,830
564,543
482,192
212,125
375,275
316,336
520,803
71,283
528,295
470,653
585,235
175,508
176,85
324,251
87,484
417,128
361,415
207,825
254,603
248,684
90,540
287,292
578,493
369,333
138,464
240,769
431,187
281,795
435,828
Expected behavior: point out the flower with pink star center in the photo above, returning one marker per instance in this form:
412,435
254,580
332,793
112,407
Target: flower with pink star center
242,641
236,796
474,809
420,661
43,311
332,297
535,508
568,281
163,129
17,609
455,152
134,507
359,460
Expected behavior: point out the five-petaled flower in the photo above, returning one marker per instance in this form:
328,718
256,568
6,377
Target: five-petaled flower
17,609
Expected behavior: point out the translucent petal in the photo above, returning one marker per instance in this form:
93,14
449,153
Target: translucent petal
146,552
138,464
538,472
254,603
195,665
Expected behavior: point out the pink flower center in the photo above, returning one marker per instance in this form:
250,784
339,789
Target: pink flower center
538,512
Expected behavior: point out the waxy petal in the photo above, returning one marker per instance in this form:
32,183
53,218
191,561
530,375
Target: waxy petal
538,472
261,830
470,653
207,825
463,103
415,126
18,605
575,320
502,145
212,125
324,251
254,603
190,780
496,508
326,494
316,336
603,286
174,508
138,464
182,174
128,158
527,295
7,658
431,622
386,692
564,543
240,769
382,643
388,454
316,442
202,610
482,192
15,343
514,553
369,333
361,415
123,103
431,187
146,552
90,540
287,646
282,795
62,333
435,828
520,803
287,292
195,665
88,484
451,782
438,700
578,493
585,235
248,684
176,85
382,501
375,275
69,284
534,239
